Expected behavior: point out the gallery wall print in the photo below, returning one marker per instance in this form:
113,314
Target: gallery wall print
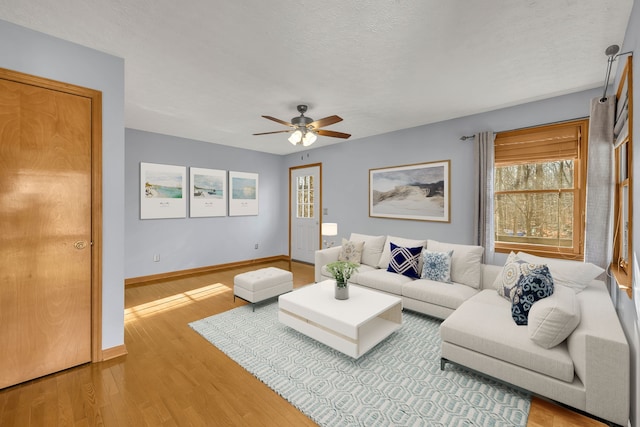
162,191
418,192
208,192
243,193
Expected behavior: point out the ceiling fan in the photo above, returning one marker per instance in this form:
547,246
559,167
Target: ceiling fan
305,129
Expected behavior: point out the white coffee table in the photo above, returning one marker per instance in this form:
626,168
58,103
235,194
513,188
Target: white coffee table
351,326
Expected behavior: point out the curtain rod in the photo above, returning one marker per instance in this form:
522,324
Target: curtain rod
612,54
465,137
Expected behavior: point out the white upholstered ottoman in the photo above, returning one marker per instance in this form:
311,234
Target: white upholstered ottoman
259,285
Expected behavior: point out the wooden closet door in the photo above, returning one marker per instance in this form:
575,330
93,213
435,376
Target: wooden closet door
45,231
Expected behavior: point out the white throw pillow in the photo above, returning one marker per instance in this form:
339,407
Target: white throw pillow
553,319
507,281
465,263
574,274
351,251
398,241
372,248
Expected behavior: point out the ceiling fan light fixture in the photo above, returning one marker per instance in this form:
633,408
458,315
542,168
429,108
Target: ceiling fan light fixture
295,137
309,138
304,130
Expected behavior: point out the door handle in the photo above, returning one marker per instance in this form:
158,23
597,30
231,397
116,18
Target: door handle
80,244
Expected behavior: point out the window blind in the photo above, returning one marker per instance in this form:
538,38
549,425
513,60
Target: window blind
555,142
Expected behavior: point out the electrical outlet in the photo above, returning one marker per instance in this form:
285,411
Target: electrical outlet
256,246
156,258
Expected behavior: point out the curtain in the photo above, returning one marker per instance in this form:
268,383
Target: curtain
600,185
483,218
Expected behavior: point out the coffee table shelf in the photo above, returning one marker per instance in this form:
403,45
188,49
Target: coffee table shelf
353,326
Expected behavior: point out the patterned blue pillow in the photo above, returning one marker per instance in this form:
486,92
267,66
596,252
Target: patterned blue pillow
405,261
531,287
436,266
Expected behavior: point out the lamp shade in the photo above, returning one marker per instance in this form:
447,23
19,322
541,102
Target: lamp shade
295,137
309,138
329,229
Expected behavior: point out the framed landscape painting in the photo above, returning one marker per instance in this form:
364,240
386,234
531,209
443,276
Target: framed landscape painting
162,191
243,193
419,192
208,192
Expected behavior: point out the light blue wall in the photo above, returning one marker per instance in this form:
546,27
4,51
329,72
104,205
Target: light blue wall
346,166
41,55
185,243
197,242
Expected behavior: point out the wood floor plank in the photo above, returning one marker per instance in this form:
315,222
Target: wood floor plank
172,376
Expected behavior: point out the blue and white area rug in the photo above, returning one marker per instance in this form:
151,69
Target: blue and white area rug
397,383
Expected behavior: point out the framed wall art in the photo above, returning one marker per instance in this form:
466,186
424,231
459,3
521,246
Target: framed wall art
162,191
419,192
208,192
243,193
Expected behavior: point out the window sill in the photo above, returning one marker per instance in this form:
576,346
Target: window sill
506,248
623,280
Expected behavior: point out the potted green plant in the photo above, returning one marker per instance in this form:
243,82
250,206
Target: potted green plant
342,271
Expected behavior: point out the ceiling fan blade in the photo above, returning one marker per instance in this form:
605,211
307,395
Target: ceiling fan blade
282,122
325,122
277,131
332,133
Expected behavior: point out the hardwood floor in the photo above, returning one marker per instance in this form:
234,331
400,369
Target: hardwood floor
172,376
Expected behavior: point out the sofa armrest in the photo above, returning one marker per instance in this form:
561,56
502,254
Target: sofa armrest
324,257
600,354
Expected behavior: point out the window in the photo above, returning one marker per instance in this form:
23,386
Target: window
540,181
305,197
623,196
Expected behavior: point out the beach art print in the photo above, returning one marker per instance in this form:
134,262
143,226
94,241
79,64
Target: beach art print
243,193
418,192
162,191
208,192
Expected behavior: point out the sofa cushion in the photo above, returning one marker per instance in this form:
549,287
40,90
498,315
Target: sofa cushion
465,261
573,274
372,248
351,251
483,324
398,241
551,320
533,286
436,266
383,280
405,261
449,295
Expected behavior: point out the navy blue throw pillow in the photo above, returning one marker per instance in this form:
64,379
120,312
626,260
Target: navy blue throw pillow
536,285
405,261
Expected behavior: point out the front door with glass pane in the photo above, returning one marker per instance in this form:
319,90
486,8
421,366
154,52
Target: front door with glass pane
305,215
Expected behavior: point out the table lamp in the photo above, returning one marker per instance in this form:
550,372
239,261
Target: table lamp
329,229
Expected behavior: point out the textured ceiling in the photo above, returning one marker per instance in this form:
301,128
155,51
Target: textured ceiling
208,70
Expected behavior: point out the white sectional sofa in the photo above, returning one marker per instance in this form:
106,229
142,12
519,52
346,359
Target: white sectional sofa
588,370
